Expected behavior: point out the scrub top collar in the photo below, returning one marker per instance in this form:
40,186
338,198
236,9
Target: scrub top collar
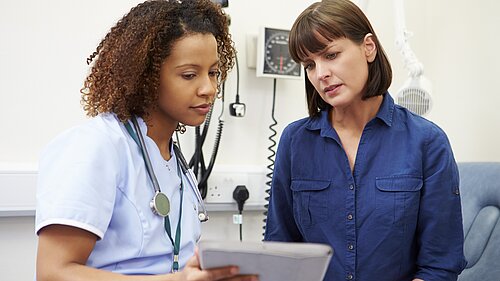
144,129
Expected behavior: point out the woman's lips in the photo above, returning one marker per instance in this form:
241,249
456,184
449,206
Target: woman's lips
202,108
332,90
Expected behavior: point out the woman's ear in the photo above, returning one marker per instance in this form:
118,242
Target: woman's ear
370,47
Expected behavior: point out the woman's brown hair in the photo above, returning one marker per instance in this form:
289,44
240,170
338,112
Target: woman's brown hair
334,19
124,77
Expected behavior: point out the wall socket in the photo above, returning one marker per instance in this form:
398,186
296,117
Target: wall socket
225,178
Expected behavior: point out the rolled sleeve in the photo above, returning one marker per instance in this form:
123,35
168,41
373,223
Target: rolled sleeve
440,229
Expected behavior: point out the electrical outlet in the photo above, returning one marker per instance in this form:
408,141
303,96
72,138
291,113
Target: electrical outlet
219,187
224,180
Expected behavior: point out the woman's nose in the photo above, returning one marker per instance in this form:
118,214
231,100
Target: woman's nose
322,71
208,87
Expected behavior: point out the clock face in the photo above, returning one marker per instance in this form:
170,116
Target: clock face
277,58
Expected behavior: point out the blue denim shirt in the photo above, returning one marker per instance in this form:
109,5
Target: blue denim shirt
396,217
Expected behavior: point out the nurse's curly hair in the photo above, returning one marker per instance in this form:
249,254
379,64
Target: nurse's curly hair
125,71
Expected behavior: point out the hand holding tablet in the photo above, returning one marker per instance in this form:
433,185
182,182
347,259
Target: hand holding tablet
272,261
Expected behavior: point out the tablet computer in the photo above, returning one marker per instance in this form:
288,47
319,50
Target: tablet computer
272,261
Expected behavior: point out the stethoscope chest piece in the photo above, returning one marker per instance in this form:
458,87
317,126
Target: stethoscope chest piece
160,204
202,216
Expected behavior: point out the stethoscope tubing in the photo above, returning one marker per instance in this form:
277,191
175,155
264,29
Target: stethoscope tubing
188,173
149,167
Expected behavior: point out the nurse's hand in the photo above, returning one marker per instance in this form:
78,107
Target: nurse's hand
192,272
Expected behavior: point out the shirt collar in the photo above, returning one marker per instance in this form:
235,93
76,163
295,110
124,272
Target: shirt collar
385,113
386,110
322,123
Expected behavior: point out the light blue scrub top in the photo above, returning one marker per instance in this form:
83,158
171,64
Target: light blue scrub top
93,177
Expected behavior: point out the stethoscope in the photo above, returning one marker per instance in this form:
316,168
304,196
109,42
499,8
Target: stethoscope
160,204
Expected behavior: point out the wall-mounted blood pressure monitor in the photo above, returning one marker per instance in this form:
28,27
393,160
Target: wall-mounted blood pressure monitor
273,58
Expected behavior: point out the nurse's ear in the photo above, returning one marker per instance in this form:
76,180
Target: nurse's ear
370,47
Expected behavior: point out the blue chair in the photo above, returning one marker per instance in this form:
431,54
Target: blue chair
480,195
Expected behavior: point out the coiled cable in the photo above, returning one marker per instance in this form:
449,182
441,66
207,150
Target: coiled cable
204,180
197,161
270,167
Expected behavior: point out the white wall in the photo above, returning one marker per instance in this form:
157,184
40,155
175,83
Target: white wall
44,44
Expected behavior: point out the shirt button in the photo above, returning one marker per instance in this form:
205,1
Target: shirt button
349,217
351,186
349,277
350,247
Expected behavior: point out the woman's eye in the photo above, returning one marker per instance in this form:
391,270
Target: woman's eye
188,76
214,73
331,56
308,66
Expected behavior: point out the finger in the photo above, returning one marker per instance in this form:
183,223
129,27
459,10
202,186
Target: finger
193,262
243,278
220,273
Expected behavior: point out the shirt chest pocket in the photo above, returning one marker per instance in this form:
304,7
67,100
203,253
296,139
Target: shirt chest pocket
398,198
310,201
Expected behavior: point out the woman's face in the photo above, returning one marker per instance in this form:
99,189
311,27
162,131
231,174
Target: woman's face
340,72
188,79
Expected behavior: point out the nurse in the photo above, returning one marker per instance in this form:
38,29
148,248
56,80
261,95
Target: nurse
114,199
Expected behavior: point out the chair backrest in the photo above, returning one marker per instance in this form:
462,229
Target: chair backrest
480,195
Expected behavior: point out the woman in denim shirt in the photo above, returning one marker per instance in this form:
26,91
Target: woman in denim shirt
373,180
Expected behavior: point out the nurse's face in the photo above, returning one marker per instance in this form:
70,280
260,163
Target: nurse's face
340,72
188,80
